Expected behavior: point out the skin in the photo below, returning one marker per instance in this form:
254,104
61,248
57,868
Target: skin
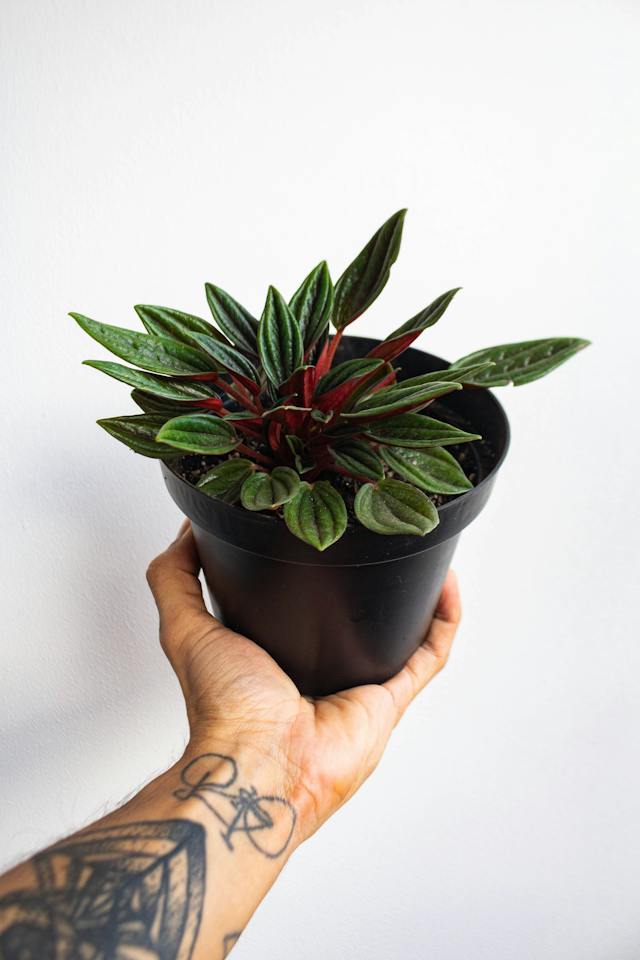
304,757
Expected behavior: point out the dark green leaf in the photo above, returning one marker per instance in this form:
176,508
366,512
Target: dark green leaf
311,304
358,459
349,370
225,480
158,406
158,354
303,461
322,416
152,383
417,431
317,514
279,340
199,433
398,341
174,324
364,279
233,319
399,398
266,491
520,363
385,372
139,433
391,507
228,357
434,470
427,317
458,374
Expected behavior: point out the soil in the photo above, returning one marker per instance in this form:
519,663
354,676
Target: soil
476,459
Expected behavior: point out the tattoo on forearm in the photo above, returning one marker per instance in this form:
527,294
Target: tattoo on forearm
268,822
127,890
229,943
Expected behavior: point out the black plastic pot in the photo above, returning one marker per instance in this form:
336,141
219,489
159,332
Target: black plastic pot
355,613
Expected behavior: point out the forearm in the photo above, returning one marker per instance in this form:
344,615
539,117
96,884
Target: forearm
177,871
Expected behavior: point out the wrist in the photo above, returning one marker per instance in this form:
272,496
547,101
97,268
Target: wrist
246,787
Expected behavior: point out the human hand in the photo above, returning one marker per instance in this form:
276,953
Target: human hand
320,750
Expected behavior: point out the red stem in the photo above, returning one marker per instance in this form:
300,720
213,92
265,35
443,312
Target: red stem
244,401
335,342
255,455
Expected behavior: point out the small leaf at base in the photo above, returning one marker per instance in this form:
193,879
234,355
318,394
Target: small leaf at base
225,480
266,491
391,507
317,514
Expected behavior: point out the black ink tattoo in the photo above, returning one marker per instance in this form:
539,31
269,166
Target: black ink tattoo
130,890
274,818
229,943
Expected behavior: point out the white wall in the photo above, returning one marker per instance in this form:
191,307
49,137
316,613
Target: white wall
150,146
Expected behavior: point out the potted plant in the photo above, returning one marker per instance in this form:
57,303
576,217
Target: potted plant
326,503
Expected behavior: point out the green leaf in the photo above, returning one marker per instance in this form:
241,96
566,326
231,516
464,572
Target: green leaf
358,458
199,433
225,480
520,363
228,357
139,433
365,277
174,324
279,339
233,319
303,463
321,416
312,303
434,470
266,491
415,430
317,514
158,354
343,372
427,317
368,384
399,398
398,341
458,374
391,507
158,406
152,383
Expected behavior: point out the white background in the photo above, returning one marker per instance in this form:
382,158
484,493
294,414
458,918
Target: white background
150,146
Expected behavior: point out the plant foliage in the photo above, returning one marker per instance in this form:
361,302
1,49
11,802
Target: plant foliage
287,428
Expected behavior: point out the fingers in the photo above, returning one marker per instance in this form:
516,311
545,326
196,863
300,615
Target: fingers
173,578
432,655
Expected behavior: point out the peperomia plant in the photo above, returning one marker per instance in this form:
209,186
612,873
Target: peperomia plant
290,429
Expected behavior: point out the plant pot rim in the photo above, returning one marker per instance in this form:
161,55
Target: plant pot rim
200,507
